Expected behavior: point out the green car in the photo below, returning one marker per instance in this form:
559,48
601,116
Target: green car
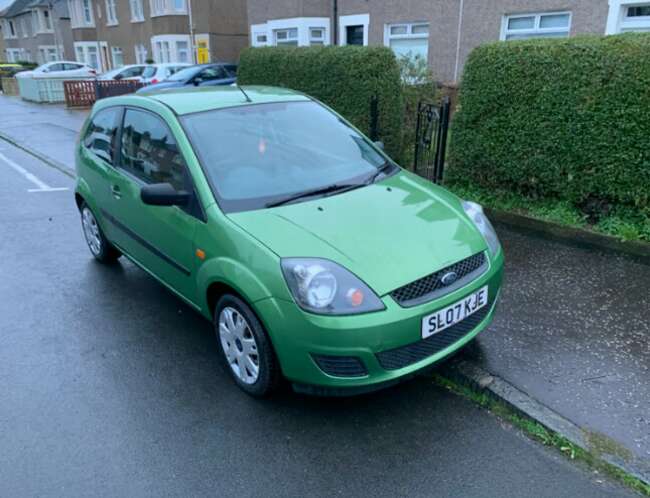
317,258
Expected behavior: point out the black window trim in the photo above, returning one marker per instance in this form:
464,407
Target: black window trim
118,133
195,208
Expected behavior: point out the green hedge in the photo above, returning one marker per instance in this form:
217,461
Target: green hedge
345,78
566,119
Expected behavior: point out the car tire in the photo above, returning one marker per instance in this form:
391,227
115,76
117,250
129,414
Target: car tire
245,347
99,246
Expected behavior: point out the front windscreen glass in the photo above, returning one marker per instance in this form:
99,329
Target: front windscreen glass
257,154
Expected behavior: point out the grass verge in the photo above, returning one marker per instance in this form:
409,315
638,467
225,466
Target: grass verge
539,433
624,223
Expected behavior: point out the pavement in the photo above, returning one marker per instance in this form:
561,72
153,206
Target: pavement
573,332
115,384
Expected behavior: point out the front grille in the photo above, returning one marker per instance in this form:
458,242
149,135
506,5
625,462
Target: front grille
430,287
340,366
412,353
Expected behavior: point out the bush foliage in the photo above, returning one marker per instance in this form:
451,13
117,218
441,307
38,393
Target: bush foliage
565,119
344,78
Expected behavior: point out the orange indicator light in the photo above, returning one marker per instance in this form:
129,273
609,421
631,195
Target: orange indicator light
200,254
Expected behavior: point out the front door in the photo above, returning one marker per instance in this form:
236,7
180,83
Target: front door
160,238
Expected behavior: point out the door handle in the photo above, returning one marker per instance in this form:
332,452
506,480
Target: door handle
115,190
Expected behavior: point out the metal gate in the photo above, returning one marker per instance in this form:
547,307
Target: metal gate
431,139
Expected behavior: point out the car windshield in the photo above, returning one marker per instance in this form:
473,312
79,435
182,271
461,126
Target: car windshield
259,154
184,74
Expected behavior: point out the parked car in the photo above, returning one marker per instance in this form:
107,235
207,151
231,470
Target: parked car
155,73
199,75
133,72
60,69
314,255
9,69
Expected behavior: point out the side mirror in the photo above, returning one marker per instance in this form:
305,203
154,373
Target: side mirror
163,194
46,70
379,144
118,77
197,81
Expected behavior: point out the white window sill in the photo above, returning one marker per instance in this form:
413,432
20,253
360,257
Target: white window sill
111,24
133,21
170,13
82,26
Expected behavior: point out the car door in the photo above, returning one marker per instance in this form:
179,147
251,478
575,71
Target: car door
160,238
96,162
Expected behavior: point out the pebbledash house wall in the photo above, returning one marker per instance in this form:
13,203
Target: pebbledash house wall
222,23
455,26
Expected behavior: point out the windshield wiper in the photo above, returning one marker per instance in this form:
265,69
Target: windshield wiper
318,191
382,169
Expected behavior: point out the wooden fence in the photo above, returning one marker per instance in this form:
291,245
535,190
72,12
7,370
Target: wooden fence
9,86
86,93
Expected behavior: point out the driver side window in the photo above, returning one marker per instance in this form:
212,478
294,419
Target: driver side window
149,151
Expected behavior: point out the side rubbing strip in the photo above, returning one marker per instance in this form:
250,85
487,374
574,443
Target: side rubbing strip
145,244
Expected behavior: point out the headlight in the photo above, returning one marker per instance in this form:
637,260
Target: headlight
324,287
476,214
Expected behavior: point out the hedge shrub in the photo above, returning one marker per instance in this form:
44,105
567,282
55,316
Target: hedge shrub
568,119
344,78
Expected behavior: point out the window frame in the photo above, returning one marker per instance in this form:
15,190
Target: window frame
114,148
194,208
137,14
535,31
111,12
287,42
409,35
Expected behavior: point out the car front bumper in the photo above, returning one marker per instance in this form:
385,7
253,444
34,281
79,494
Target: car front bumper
387,343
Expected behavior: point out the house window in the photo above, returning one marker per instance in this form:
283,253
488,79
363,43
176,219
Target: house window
111,13
87,11
47,20
316,36
137,13
81,13
354,35
140,54
183,51
260,40
168,7
637,18
551,25
12,30
87,53
408,40
23,27
286,37
171,48
13,54
47,54
35,21
117,56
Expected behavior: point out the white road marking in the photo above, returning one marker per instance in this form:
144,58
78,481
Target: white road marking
51,189
42,186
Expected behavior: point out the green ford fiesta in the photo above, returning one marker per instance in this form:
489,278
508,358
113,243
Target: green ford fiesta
316,257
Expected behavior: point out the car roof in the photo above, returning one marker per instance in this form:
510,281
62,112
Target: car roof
185,100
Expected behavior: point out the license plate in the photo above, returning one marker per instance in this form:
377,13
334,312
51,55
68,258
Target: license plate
454,313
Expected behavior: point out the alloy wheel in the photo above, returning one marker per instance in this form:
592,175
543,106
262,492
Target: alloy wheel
91,231
239,345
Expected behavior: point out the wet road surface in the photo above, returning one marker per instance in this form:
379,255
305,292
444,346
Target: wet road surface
110,386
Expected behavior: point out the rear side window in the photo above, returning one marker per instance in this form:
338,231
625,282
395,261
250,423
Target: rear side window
149,150
56,67
71,67
101,133
232,69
